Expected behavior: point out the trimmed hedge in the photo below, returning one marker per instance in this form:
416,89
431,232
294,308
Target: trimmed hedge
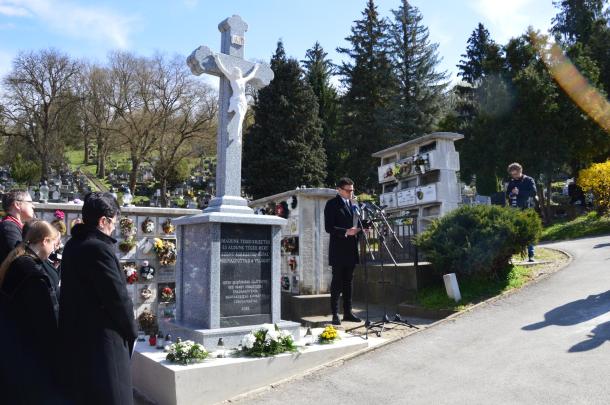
479,240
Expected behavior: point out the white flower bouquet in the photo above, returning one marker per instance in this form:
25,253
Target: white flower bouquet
186,352
269,340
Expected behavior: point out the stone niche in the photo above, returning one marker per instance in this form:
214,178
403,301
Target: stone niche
164,275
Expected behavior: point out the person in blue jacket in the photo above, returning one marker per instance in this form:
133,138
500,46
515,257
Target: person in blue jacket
521,193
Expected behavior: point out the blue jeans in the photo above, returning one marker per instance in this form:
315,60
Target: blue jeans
530,251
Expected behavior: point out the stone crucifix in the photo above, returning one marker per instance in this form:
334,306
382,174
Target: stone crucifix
235,73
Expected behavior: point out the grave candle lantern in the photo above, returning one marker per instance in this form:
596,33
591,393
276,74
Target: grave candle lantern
160,342
308,337
221,352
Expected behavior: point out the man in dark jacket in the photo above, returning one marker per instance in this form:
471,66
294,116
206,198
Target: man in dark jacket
96,321
343,248
19,208
521,193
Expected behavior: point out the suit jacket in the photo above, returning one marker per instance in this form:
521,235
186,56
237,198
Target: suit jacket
96,320
10,236
342,250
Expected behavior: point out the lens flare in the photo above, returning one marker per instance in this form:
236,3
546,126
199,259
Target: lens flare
576,86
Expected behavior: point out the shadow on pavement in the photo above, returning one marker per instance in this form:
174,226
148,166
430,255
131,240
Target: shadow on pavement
575,312
597,337
601,245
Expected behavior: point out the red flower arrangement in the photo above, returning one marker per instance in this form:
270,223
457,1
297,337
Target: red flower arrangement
167,294
131,274
59,214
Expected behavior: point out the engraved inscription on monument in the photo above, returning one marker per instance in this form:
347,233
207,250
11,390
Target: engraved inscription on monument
245,274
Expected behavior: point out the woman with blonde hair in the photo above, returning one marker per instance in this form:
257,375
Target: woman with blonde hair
29,313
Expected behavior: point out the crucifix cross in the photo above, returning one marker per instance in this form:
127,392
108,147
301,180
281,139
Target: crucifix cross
235,73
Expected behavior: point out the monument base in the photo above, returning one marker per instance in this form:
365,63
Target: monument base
230,336
216,380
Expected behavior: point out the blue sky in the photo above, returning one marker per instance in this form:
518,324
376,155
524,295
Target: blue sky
90,29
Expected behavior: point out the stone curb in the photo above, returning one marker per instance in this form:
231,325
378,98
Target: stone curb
452,317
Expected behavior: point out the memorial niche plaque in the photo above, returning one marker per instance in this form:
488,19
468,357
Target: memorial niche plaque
245,275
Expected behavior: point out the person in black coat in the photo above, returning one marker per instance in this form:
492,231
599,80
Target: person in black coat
19,208
29,333
521,193
96,320
342,249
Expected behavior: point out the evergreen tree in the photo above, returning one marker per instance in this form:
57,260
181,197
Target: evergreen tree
586,22
482,108
318,72
483,56
283,148
577,20
415,60
370,85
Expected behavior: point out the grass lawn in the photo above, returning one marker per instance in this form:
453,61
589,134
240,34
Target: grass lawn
590,224
474,291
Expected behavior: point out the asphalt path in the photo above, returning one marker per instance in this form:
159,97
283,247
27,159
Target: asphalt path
546,344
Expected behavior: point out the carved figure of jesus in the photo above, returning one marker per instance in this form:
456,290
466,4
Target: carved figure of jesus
238,102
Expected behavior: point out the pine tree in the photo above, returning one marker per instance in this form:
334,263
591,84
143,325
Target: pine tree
481,110
415,60
318,72
577,20
482,57
370,86
283,148
586,22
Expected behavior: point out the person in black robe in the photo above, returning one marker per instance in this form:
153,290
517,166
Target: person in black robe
96,320
29,314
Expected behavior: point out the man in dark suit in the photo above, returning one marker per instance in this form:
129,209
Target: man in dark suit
96,322
19,208
343,248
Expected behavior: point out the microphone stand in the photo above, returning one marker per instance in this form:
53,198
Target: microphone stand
367,323
397,318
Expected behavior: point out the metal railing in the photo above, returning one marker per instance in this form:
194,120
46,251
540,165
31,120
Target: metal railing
405,229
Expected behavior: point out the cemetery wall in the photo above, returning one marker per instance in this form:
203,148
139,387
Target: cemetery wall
164,275
304,268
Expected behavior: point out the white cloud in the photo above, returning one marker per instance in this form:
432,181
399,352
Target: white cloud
191,3
74,20
6,62
12,10
510,18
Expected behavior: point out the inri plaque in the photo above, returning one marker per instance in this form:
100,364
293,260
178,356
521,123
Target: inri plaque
245,274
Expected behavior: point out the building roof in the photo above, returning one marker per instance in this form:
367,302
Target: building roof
450,136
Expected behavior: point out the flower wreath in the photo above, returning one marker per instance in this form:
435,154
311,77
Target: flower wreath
131,274
167,226
127,244
146,293
127,227
148,226
167,294
166,251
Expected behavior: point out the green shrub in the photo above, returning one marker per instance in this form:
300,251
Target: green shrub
479,240
25,171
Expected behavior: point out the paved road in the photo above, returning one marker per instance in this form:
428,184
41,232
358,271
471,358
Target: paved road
543,345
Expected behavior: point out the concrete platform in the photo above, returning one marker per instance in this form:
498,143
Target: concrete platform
231,336
216,380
